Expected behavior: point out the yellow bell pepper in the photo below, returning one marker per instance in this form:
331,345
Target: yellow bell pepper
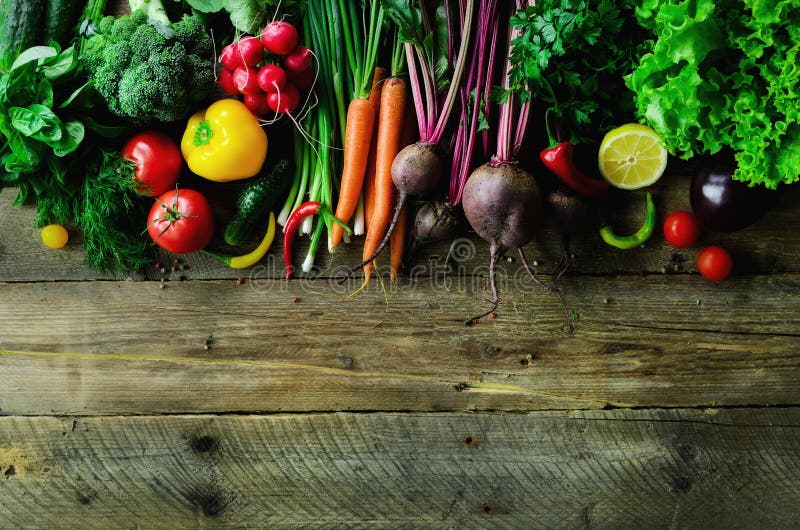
224,142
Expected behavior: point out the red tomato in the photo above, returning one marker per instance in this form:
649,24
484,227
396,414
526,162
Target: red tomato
681,229
714,263
181,221
158,162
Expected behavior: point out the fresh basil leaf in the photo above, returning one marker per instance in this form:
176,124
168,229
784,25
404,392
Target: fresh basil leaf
71,140
27,121
75,94
18,88
61,64
33,54
25,154
106,131
44,93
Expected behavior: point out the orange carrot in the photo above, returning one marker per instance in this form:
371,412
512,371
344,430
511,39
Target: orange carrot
357,137
390,129
397,244
369,179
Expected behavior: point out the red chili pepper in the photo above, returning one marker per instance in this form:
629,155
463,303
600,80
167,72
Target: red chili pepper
293,224
558,159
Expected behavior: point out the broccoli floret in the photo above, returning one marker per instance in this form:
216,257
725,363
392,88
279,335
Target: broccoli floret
147,71
153,8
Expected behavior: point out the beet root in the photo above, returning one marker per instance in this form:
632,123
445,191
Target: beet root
567,211
417,169
502,204
436,221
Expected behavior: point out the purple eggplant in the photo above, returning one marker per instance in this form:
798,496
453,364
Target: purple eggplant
722,204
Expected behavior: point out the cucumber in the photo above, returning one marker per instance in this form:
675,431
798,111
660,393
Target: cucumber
257,197
60,20
20,28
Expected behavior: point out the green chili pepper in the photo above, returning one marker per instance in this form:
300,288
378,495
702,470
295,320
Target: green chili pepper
636,239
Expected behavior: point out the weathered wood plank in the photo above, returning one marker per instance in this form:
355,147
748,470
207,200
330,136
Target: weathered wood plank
211,346
772,245
603,469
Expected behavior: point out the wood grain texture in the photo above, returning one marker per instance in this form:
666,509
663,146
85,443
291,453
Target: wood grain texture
771,245
601,469
213,346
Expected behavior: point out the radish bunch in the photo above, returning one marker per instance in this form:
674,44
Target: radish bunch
268,72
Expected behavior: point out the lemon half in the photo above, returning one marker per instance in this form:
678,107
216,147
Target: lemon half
632,156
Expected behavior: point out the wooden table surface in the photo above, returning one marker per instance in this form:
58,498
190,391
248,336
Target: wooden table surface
131,402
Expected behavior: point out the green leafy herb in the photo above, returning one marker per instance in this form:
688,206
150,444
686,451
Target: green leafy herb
247,16
571,57
110,214
724,73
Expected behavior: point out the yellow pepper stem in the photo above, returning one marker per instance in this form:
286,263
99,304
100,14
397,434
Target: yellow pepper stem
203,134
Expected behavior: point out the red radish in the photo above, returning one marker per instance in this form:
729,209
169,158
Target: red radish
230,56
271,78
305,79
246,80
279,37
299,60
285,100
257,103
226,82
251,50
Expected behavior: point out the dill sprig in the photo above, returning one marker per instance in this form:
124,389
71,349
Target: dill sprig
110,214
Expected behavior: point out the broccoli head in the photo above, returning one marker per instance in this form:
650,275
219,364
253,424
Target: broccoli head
147,71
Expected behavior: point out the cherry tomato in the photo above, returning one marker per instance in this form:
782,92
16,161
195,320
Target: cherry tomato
714,263
54,236
181,221
158,162
681,229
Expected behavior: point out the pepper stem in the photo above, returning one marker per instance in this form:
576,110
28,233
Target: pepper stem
224,259
203,134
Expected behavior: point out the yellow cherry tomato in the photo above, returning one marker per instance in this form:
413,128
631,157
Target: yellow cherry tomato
54,236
